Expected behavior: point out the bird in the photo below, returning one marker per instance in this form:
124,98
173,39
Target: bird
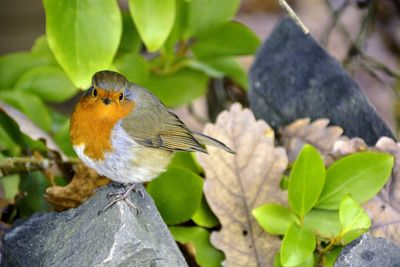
125,133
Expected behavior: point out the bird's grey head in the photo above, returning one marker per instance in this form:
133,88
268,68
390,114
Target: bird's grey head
109,81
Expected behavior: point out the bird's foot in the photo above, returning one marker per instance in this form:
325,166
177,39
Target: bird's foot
123,191
118,196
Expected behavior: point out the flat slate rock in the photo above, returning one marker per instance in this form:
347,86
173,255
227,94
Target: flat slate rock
79,237
367,251
294,77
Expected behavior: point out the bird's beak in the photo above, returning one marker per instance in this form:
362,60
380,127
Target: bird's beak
106,100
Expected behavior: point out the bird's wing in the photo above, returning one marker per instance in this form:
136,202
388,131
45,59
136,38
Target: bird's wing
152,125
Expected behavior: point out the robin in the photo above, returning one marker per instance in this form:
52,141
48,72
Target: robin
124,132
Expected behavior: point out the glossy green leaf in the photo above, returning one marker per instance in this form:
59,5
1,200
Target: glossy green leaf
177,194
179,88
154,20
324,223
205,253
204,216
41,45
84,35
274,218
34,185
130,40
7,145
331,256
204,15
177,31
306,180
352,216
362,175
49,83
221,67
12,66
62,138
31,105
10,185
297,246
230,39
185,160
350,236
134,67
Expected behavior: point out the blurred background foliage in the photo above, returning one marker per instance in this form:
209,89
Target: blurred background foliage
181,50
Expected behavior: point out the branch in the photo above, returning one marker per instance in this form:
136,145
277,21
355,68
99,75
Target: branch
293,15
10,166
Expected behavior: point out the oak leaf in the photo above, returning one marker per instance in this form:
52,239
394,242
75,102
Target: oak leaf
316,133
81,187
236,184
385,207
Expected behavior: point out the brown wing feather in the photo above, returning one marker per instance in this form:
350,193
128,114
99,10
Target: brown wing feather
151,124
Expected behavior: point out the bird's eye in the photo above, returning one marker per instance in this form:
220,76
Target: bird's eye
94,92
121,97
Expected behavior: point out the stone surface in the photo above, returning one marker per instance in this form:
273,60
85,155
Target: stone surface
367,251
294,77
79,237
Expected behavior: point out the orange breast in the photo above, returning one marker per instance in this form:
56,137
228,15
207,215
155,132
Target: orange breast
92,123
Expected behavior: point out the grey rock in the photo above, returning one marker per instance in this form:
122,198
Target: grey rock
79,237
367,251
294,77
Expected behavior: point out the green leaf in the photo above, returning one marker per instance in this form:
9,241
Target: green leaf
204,15
362,175
34,185
7,145
274,218
49,83
154,20
84,35
331,256
353,219
179,88
306,180
130,40
41,45
297,246
10,185
324,223
221,66
185,160
177,194
61,137
204,216
177,31
134,67
230,39
30,105
12,66
205,253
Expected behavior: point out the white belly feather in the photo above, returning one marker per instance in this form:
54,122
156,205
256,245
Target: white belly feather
128,162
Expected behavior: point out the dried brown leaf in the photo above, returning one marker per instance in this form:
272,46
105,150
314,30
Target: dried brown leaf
316,133
30,129
236,184
81,187
385,207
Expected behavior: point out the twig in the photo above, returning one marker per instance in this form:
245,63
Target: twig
10,166
293,15
336,14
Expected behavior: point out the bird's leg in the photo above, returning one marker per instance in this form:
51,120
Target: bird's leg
118,196
123,191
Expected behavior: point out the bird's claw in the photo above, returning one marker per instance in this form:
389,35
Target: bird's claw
124,195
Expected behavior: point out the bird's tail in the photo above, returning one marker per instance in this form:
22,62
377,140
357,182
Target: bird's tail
207,140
